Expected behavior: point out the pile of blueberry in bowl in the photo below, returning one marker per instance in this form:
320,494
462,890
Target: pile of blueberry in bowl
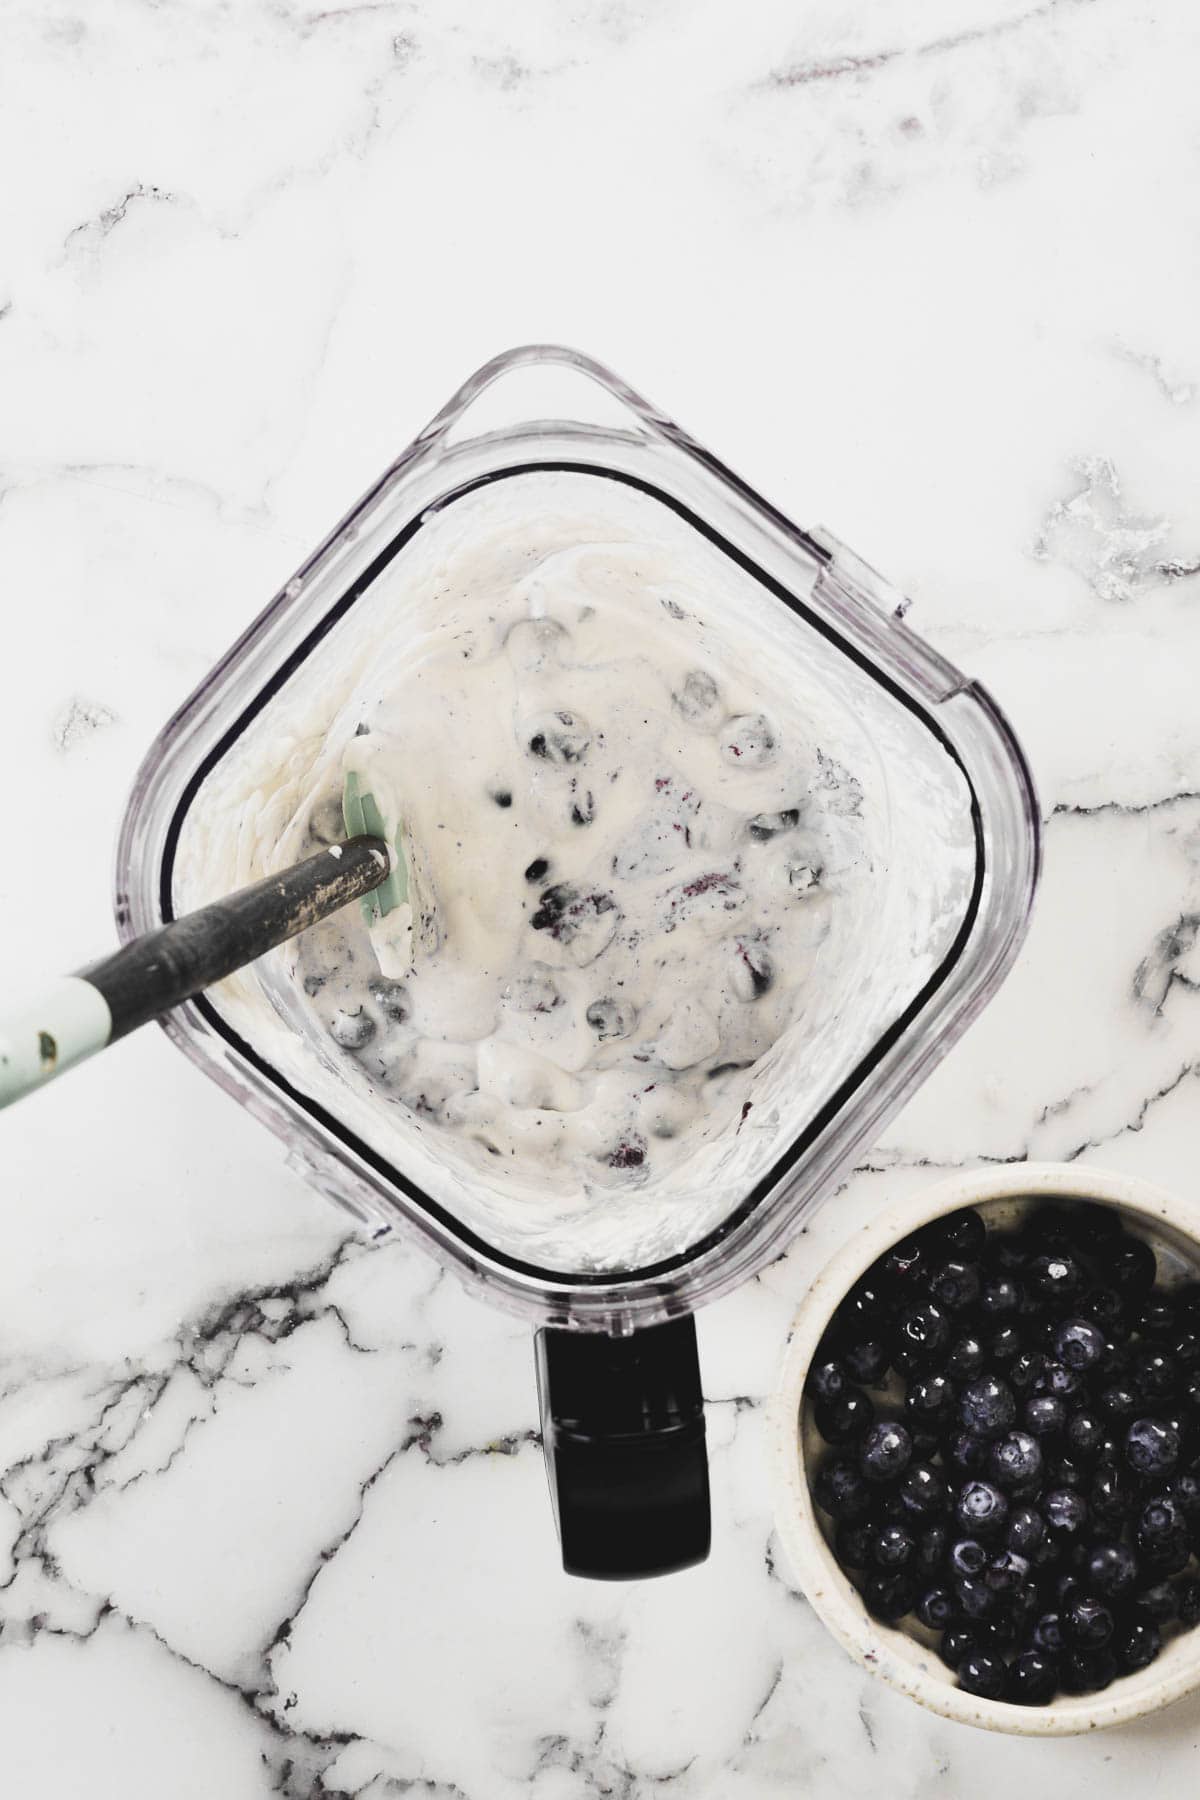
1009,1415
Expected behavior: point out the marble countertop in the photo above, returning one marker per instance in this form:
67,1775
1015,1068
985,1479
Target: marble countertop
273,1519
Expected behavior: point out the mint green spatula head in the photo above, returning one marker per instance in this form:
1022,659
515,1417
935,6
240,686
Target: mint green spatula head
362,814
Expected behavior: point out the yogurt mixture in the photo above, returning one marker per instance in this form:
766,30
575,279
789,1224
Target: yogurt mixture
619,877
633,849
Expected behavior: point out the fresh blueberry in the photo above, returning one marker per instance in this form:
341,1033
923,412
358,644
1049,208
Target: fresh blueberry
1079,1343
1185,1348
1114,1365
866,1361
843,1420
1105,1307
1109,1495
1005,1345
968,1557
352,1030
1007,1572
827,1380
1157,1316
922,1493
538,869
1161,1535
1061,1472
987,1406
1050,1228
1151,1447
1131,1267
1185,1491
961,1235
1186,1595
1089,1622
1050,1634
965,1358
976,1600
981,1507
1045,1416
1111,1571
1026,1531
902,1267
1025,1371
853,1544
1059,1381
999,1297
954,1284
1003,1628
1160,1602
958,1641
1016,1460
967,1452
1024,1604
1007,1253
865,1307
885,1452
1065,1513
929,1401
1153,1371
840,1489
1087,1671
984,1673
1032,1679
1055,1277
1136,1645
1118,1401
1083,1435
936,1607
893,1546
921,1331
889,1594
932,1548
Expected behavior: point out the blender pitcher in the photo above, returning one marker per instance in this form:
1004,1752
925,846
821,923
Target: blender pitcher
925,915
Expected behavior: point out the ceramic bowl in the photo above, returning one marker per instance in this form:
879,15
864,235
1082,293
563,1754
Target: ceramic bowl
905,1657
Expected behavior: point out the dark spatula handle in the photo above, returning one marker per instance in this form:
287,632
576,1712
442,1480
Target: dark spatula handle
80,1014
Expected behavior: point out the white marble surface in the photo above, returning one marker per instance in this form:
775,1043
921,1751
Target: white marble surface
272,1518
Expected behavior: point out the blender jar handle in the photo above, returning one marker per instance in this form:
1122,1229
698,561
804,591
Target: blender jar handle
623,1436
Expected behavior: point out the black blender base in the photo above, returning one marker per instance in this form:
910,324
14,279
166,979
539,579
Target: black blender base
624,1441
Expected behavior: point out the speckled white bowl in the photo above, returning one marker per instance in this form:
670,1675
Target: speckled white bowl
903,1659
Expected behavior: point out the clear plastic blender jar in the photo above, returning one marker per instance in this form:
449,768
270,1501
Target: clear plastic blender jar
927,915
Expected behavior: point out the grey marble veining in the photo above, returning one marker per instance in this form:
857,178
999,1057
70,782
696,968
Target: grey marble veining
273,1519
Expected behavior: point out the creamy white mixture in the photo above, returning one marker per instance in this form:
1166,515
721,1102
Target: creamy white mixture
652,857
621,878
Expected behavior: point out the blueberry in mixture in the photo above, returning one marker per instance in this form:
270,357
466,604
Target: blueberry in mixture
352,1030
1014,1422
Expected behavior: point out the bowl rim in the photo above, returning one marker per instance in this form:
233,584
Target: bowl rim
821,1580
